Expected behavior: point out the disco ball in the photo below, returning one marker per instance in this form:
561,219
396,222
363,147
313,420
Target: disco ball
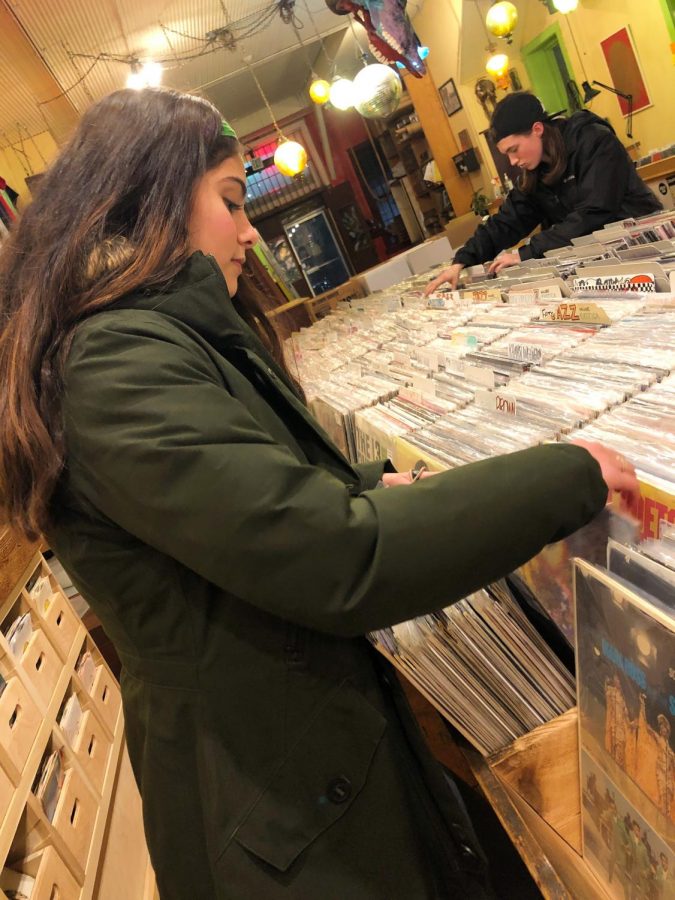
377,91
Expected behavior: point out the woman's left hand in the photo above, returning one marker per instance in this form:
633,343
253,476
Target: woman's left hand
393,479
502,261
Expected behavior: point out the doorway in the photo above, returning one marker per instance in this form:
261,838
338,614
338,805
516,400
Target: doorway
550,72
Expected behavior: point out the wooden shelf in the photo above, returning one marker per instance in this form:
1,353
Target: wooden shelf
405,107
102,818
659,169
28,840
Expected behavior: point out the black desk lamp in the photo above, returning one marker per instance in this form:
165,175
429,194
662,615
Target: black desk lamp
591,92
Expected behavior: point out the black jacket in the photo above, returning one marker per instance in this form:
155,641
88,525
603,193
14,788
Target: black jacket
599,185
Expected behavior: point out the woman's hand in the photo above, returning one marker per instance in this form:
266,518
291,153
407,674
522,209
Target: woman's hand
618,473
393,479
503,261
451,275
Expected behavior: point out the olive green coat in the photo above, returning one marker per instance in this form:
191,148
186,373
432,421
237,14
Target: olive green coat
236,559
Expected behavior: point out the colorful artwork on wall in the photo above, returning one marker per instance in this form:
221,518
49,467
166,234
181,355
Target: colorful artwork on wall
625,71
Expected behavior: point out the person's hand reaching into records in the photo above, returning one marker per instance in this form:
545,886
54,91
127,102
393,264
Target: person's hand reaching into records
618,473
451,275
502,262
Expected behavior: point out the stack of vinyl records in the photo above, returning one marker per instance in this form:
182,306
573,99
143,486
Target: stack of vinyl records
482,663
473,433
643,429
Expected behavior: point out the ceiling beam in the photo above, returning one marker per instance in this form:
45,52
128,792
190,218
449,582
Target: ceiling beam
22,55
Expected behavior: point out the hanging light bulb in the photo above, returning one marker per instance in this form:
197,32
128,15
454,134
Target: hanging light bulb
377,91
135,80
148,74
565,6
152,72
502,18
342,93
290,158
497,65
319,91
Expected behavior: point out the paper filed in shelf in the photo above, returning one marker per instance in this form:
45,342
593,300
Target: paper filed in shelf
19,634
41,594
86,669
16,885
50,783
71,718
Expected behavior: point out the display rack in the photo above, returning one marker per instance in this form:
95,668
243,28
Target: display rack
405,147
69,855
533,786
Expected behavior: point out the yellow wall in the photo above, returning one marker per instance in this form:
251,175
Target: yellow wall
439,26
592,22
14,167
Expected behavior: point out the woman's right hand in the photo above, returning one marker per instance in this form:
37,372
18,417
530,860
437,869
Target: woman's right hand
451,275
618,473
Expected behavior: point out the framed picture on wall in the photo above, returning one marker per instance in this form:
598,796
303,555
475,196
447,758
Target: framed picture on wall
464,139
625,70
450,97
514,78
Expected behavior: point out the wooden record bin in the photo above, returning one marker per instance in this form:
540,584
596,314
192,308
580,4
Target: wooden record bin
92,843
533,786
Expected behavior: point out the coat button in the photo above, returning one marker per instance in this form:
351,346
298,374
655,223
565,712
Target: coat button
339,789
465,850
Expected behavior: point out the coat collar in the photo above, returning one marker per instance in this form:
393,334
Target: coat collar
198,297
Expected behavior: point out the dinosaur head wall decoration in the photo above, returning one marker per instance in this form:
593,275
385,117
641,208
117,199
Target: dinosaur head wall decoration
391,36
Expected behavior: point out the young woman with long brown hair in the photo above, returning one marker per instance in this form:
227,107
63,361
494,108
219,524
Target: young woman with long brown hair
234,556
576,176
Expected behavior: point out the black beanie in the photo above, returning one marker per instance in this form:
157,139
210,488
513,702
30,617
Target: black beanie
516,114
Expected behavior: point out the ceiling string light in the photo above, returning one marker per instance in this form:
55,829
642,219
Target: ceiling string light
497,64
329,58
144,74
501,19
319,88
565,6
290,157
215,41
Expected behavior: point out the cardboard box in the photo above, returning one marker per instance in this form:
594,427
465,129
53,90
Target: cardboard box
459,230
383,276
431,253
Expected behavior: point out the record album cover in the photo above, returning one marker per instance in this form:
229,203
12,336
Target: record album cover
626,696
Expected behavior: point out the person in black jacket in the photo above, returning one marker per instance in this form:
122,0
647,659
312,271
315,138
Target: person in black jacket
576,177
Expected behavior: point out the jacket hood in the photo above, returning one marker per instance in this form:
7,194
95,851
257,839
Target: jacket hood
579,121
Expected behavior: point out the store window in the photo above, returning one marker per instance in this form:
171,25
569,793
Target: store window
267,188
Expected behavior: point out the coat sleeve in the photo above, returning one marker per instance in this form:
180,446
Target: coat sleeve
602,170
371,472
516,218
157,444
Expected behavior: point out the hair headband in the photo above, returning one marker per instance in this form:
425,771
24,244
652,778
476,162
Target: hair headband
227,130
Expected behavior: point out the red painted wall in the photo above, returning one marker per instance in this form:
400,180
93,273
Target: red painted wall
345,130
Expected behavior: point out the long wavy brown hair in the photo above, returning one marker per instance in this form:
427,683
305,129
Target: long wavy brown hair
109,217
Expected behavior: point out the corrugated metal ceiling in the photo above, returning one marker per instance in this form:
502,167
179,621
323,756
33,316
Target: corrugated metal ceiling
71,35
